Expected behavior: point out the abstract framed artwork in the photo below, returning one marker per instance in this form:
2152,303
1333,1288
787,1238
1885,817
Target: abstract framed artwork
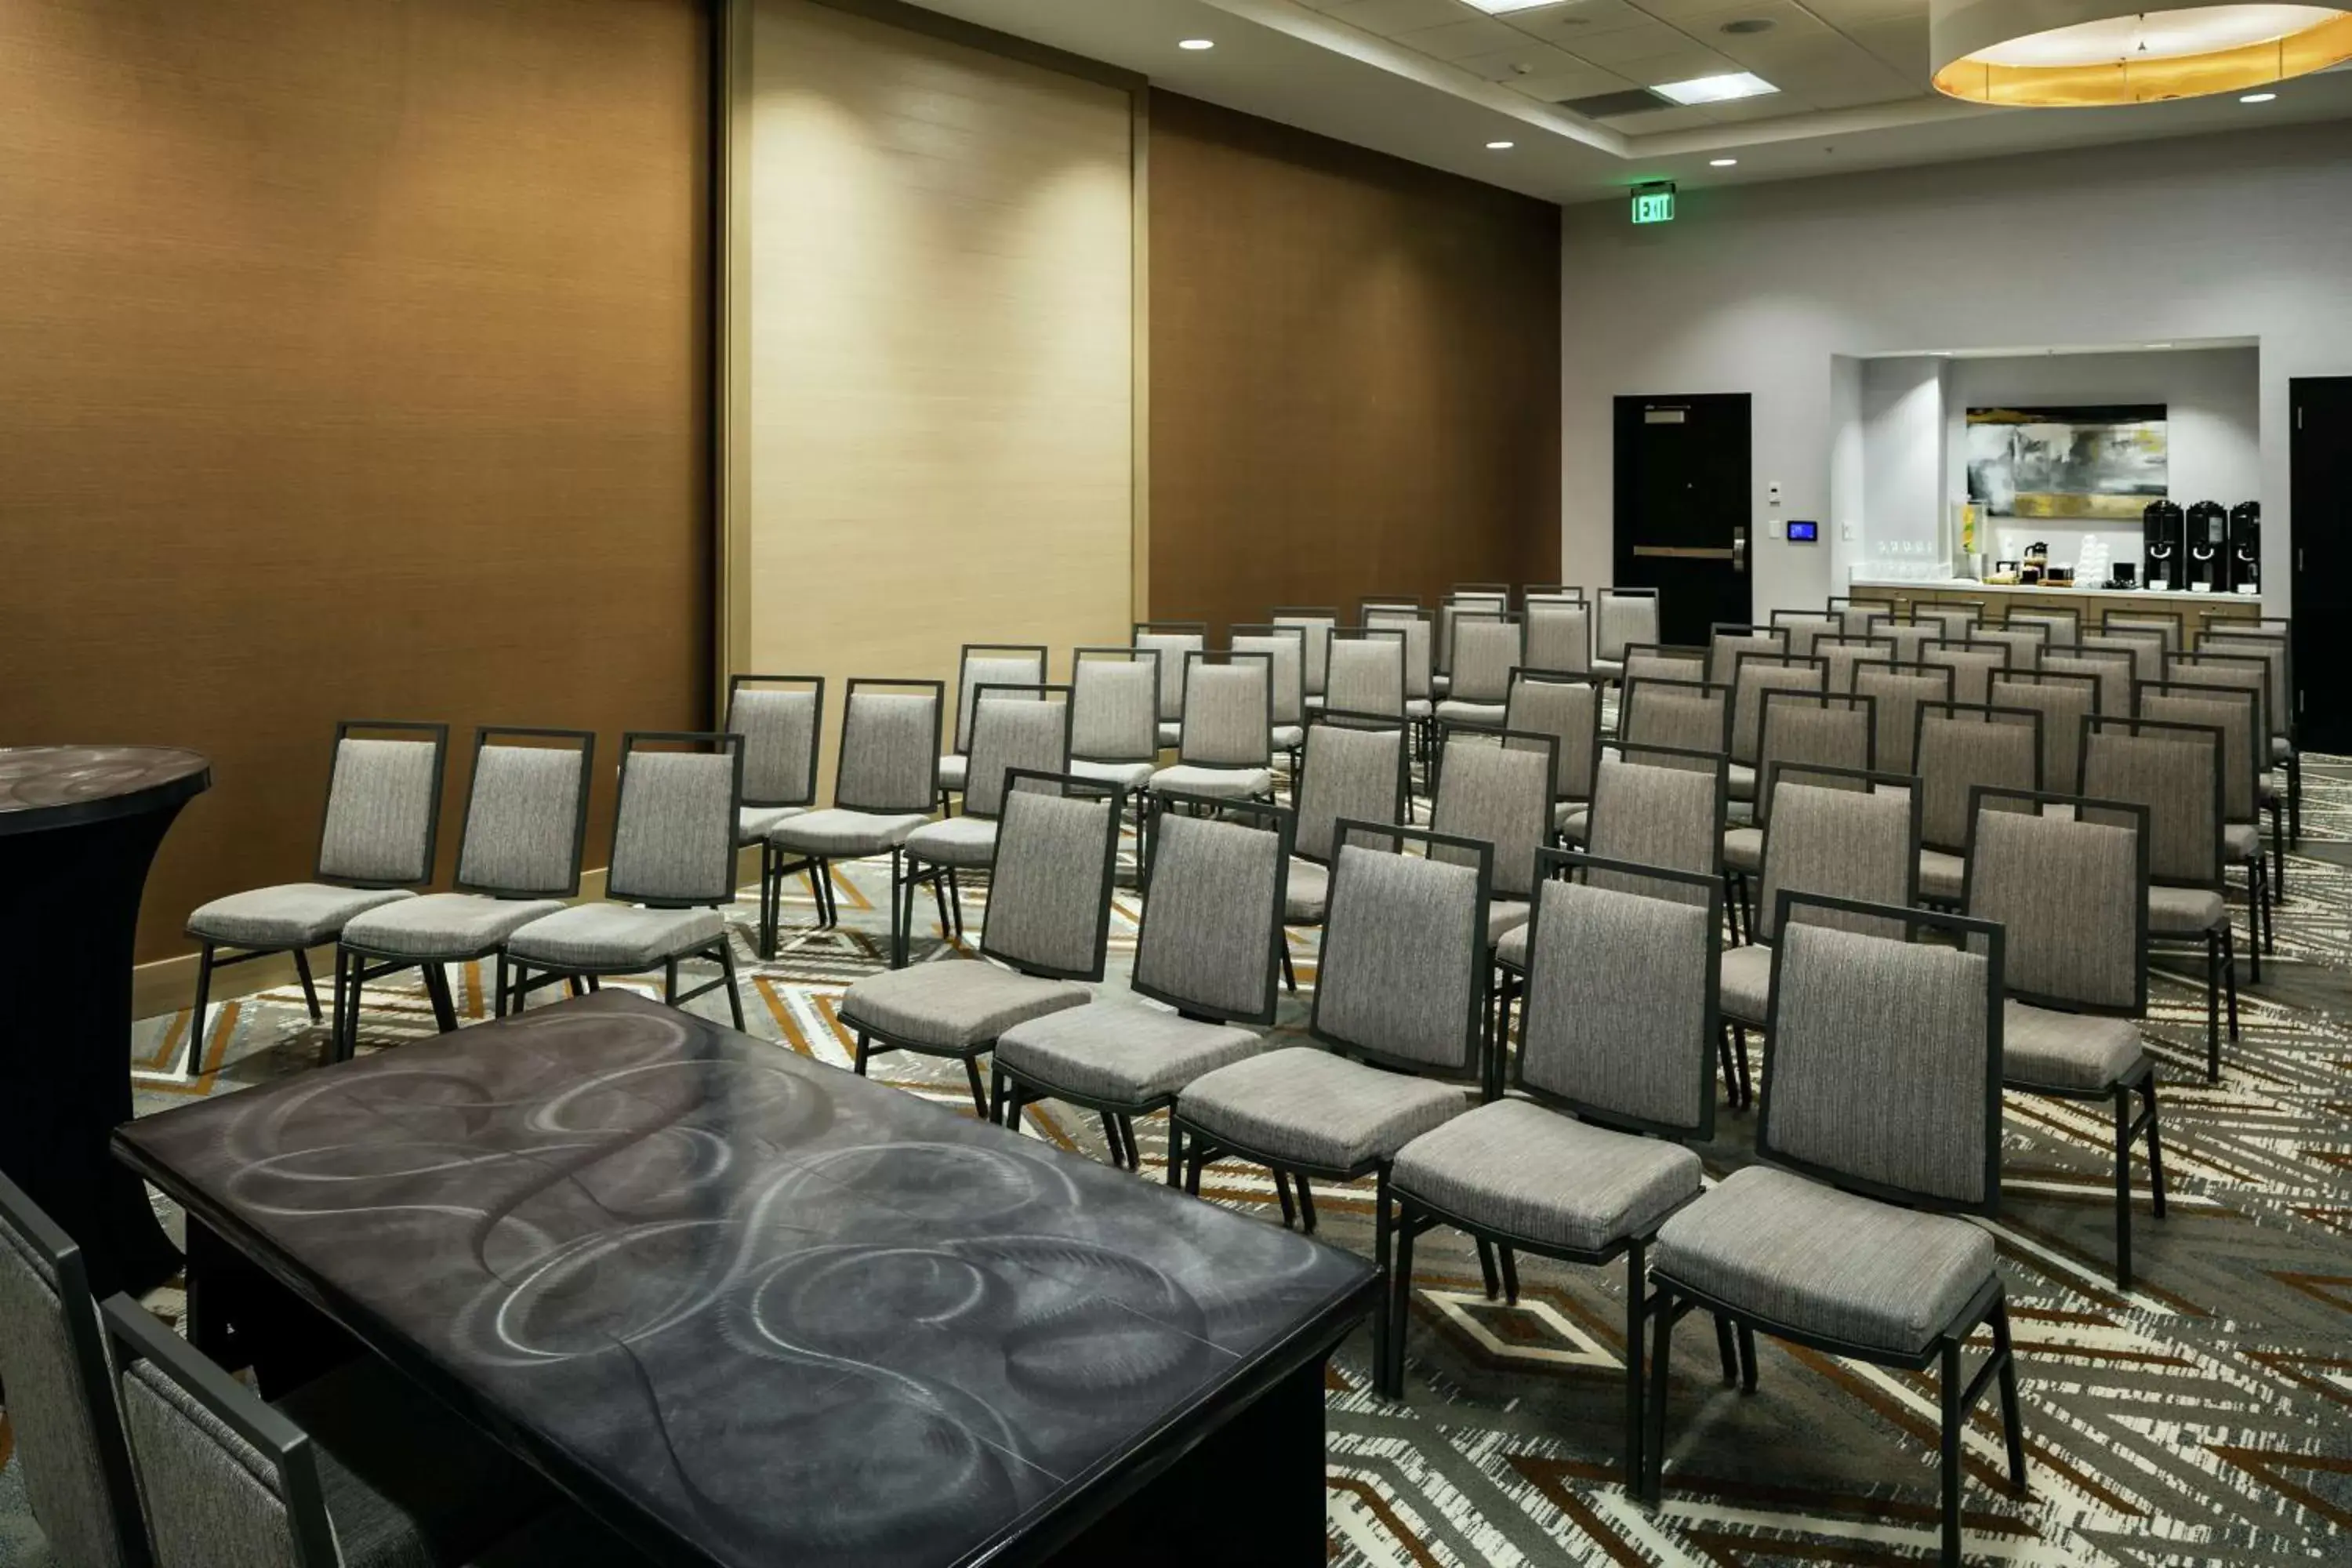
2097,463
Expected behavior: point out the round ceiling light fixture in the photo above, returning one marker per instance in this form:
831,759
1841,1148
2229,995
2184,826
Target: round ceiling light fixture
1196,43
2069,54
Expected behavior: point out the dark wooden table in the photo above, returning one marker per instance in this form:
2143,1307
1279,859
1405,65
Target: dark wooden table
78,828
751,1309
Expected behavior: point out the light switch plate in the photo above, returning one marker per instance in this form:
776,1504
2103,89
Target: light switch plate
1846,531
1772,529
1772,491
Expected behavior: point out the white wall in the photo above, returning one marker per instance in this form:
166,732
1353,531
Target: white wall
1755,288
1904,446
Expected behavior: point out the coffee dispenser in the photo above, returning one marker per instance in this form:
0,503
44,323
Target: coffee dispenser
2208,557
2245,556
2162,536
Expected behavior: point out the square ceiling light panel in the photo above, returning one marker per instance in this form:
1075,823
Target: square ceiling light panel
1720,89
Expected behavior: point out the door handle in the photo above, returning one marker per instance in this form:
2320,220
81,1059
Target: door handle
1739,549
1685,553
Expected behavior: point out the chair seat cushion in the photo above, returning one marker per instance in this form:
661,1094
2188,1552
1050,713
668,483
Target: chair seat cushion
2282,749
1289,737
1170,733
1126,776
956,1006
1745,990
1503,917
1517,1168
1743,849
443,925
1942,876
960,841
2241,841
1305,1107
752,823
1306,891
1456,712
2183,911
2065,1050
954,766
837,834
1512,949
1743,780
1571,820
1609,669
295,914
1826,1262
1222,784
1416,708
1119,1053
613,937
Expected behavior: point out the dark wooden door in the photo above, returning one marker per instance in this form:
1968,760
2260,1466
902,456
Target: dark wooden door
2320,575
1682,509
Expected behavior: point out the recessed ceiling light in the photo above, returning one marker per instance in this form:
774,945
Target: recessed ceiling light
1500,146
2257,98
1722,162
1496,7
1196,43
1714,88
2159,345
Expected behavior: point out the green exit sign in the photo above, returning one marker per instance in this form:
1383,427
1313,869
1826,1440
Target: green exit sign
1654,204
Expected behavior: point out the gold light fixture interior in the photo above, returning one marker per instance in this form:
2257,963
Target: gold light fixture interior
2067,54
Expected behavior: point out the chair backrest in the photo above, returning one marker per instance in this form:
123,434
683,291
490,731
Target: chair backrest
1550,594
1367,673
1560,636
2057,625
1402,977
1655,806
1175,640
2024,642
2066,877
1801,627
2234,710
1370,602
674,827
1726,641
1907,638
1568,708
1800,728
2112,668
782,720
1354,767
526,813
2143,644
889,758
1620,1013
2175,770
226,1478
1657,661
2249,671
1115,704
1859,616
1317,625
69,1433
1839,655
1899,690
1959,745
1419,644
383,804
1623,617
1487,646
2165,622
1846,833
992,664
1228,711
1687,715
1499,792
1955,621
1473,600
1026,727
1210,943
2064,700
1285,650
1882,1061
1973,665
1049,891
2277,654
1756,674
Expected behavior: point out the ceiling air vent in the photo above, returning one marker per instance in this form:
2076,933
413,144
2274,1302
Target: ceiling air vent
1610,105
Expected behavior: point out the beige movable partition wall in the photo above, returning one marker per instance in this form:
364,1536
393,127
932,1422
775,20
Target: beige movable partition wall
930,322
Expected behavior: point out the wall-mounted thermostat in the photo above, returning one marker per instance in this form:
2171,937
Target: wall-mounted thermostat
1803,533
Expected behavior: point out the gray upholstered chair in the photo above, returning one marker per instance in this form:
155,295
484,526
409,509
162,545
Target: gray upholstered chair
1839,729
1356,766
1663,661
1224,747
1468,598
1316,624
1907,636
670,874
1588,1160
1559,636
2112,670
1562,593
518,860
1568,708
1756,674
1861,617
1047,929
2143,645
1208,947
1176,642
1801,627
1371,602
2024,640
2064,700
1727,640
1420,663
357,1469
2175,770
1285,651
1495,787
2065,877
1839,655
1399,1005
1024,727
885,784
1686,715
782,720
1115,717
1973,665
1487,645
1899,690
2057,625
983,664
1953,621
1880,1126
1956,747
2274,644
2165,623
1620,617
70,1456
1842,832
2236,711
2249,672
1366,671
383,813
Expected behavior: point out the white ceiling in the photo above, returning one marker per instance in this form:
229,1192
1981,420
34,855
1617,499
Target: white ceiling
1436,80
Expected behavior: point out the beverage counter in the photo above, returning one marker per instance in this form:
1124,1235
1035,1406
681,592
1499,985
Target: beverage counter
2197,611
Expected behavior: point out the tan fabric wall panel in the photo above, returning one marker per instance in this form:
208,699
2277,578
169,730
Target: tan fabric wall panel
934,314
1355,372
353,362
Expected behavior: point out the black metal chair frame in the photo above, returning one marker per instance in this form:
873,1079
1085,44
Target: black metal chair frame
1311,619
1343,719
965,691
2227,641
2266,723
946,892
774,865
823,864
1898,667
1276,629
1105,652
1734,879
1366,634
1987,713
2261,888
1520,676
1557,592
1605,597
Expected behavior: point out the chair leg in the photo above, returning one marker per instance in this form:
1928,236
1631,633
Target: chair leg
2012,1428
352,1016
1953,1418
309,986
979,1089
726,951
1635,1315
1307,1206
2230,978
1728,1350
1486,1269
1381,1261
2294,804
498,1005
1662,1344
2122,1189
1134,1151
575,986
1400,1306
1510,1262
1175,1153
1746,1340
1739,1056
939,901
2212,1008
2155,1148
196,1019
1282,1190
2278,852
1110,1137
335,1031
436,988
955,902
1289,975
859,1065
670,982
1194,1163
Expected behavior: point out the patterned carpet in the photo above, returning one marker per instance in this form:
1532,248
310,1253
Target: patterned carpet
2204,1417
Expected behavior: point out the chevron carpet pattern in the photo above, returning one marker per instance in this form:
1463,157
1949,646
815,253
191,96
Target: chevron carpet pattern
2205,1417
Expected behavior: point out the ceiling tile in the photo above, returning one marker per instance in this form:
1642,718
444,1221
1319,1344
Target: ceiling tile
1772,106
1576,81
1657,121
1627,44
1390,18
1459,40
1839,13
1573,16
1523,59
1685,64
1899,41
1878,84
1789,20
